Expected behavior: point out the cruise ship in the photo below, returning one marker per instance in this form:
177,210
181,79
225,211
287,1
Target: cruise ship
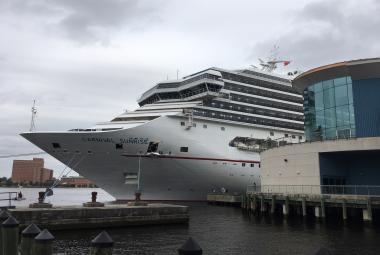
189,137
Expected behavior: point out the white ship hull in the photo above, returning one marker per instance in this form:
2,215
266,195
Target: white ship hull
209,165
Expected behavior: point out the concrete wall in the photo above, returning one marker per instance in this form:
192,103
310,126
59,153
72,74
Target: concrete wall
299,164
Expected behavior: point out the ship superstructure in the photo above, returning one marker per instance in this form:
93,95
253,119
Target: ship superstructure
199,134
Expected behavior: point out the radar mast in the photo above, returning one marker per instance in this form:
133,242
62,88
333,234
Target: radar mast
271,64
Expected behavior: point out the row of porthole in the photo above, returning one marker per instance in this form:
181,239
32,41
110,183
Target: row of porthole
243,164
204,125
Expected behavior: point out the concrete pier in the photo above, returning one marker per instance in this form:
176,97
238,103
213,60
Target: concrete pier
78,217
227,199
299,204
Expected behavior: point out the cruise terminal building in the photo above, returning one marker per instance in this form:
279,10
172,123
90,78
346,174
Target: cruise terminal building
342,128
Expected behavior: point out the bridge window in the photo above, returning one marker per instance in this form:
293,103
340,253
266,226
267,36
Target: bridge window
182,123
222,128
243,164
56,145
204,126
184,149
119,146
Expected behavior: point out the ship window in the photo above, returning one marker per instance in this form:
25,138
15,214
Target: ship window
293,136
204,126
300,137
89,152
119,146
243,164
271,133
252,165
184,149
56,145
182,123
222,128
194,124
286,135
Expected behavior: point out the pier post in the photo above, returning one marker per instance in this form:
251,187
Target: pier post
304,212
27,239
344,209
285,207
43,243
3,216
243,201
254,203
273,204
190,247
249,203
262,204
323,209
10,229
367,213
102,244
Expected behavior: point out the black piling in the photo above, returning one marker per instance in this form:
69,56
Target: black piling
190,247
43,243
4,214
10,229
102,244
27,239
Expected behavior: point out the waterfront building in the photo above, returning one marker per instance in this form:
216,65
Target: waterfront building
30,171
342,127
76,181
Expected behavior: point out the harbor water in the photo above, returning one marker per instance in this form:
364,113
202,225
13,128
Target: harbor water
217,229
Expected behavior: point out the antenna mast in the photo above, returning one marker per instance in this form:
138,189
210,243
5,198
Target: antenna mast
271,64
34,112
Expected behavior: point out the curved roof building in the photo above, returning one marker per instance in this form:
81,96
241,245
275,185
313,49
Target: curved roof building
342,127
341,100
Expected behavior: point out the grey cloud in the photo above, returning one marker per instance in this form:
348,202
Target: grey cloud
329,31
88,21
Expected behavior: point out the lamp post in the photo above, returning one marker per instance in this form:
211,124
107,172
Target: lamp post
138,191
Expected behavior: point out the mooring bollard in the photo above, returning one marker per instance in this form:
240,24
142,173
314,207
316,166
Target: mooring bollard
102,244
3,216
43,243
27,239
190,247
10,236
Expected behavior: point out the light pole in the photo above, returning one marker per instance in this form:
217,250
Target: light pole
138,191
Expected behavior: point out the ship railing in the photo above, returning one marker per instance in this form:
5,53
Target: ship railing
338,190
8,196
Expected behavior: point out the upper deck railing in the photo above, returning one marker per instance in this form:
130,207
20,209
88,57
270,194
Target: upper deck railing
349,190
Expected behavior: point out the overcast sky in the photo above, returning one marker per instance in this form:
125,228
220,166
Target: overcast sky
85,61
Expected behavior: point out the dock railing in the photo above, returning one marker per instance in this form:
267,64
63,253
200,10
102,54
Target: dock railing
354,190
8,196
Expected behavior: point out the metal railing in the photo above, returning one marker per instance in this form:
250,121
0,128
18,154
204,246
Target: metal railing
8,196
354,190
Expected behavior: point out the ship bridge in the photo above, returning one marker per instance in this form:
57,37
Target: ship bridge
206,84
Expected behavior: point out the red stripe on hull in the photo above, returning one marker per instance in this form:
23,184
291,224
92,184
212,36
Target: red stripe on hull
191,158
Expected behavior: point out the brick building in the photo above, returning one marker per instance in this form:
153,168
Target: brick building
76,181
30,171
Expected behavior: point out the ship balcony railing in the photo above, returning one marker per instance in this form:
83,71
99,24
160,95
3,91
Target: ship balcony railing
200,93
333,190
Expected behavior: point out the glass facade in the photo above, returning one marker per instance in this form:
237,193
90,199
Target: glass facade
329,110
